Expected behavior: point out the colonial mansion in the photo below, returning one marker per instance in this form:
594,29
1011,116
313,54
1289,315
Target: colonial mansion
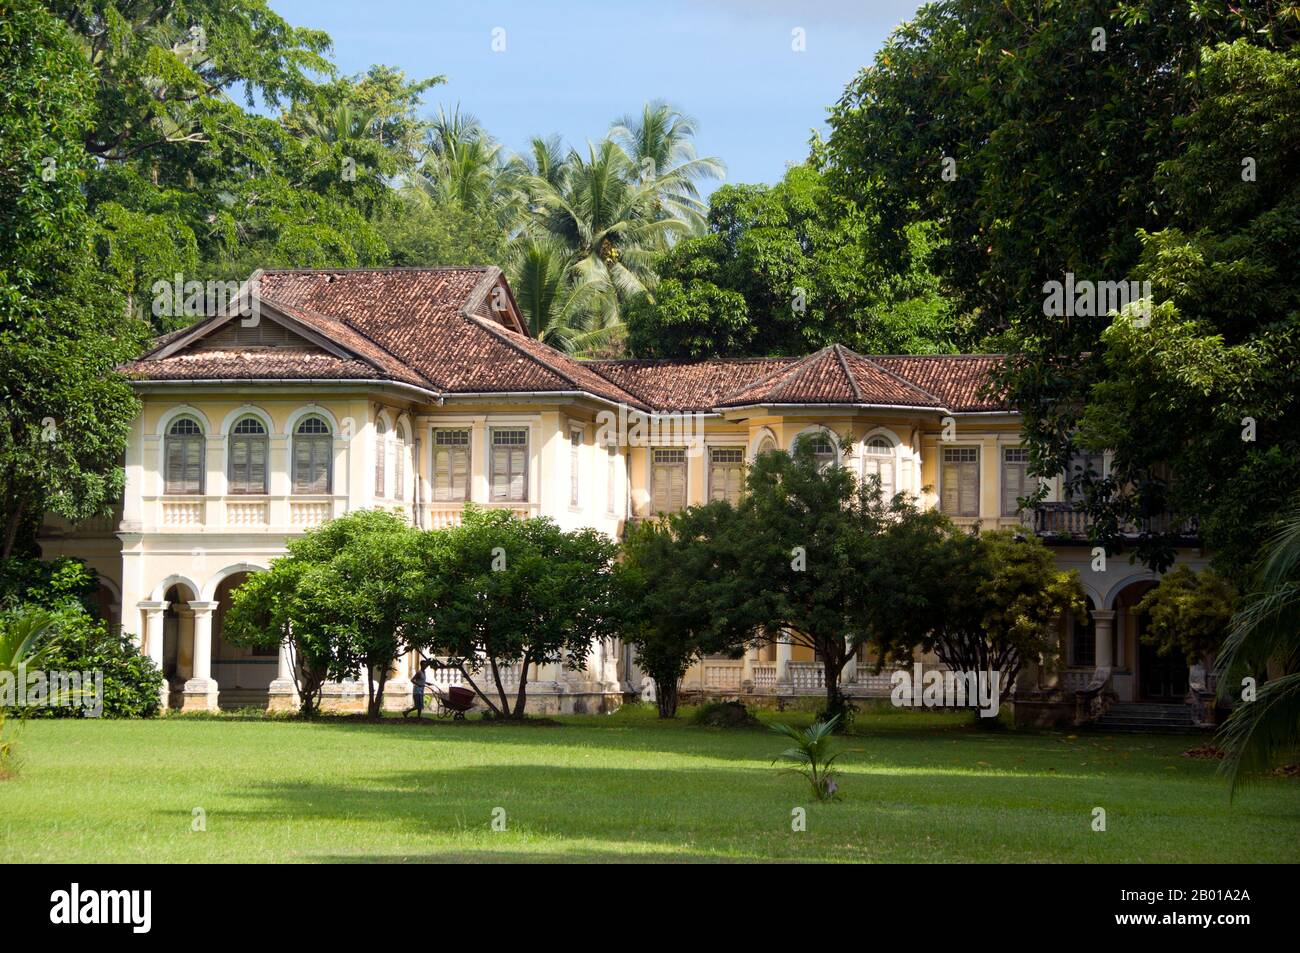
419,390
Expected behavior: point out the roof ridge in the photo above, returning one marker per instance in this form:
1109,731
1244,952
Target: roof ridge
900,378
769,376
844,366
501,332
364,336
383,269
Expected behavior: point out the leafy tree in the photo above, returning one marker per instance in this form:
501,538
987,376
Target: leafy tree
1188,613
342,594
1107,142
79,642
831,565
64,412
676,586
1264,644
994,603
786,269
274,608
517,592
420,230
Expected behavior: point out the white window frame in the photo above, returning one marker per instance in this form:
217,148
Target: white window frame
263,437
185,440
316,438
576,438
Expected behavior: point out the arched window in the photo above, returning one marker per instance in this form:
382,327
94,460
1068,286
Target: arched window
823,450
183,456
879,462
247,457
381,458
766,445
313,446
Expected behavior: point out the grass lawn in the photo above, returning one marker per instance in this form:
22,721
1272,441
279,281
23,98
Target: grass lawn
915,786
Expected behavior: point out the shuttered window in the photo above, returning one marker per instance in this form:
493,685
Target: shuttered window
313,450
510,465
450,466
879,462
726,473
961,481
575,464
1015,478
381,458
247,457
184,457
668,480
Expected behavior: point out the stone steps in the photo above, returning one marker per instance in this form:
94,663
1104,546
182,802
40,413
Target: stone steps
1141,717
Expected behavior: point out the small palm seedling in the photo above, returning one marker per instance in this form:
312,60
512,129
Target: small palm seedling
23,641
812,755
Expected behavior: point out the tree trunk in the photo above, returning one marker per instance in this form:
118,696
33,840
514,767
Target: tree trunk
521,698
501,689
11,530
666,697
836,704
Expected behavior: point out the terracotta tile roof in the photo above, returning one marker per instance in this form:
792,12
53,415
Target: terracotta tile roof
437,328
956,379
833,375
687,385
430,327
271,364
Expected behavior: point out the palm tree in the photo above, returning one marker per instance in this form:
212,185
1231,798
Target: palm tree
466,166
24,638
660,144
559,308
340,123
1265,638
607,218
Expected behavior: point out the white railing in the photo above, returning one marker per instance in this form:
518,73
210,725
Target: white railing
446,515
182,514
807,676
448,677
246,514
724,674
240,513
764,677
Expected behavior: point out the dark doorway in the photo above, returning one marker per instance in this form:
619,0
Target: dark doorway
1161,678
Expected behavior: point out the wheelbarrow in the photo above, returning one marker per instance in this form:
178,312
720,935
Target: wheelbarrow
453,702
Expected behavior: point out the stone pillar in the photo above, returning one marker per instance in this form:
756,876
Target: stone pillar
153,641
201,689
747,670
397,690
283,692
1105,620
784,650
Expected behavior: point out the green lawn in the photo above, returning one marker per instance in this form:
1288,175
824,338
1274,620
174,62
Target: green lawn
915,787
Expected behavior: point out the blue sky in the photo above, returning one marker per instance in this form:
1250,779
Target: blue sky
572,67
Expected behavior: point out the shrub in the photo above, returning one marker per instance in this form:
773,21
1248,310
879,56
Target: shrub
732,714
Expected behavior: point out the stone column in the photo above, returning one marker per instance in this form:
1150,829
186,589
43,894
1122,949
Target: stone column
784,650
1105,620
397,690
201,689
747,670
153,641
283,693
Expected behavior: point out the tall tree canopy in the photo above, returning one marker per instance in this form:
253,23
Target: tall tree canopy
64,413
786,269
1108,142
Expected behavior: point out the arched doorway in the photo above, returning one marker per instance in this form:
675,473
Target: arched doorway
244,674
1157,678
178,641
